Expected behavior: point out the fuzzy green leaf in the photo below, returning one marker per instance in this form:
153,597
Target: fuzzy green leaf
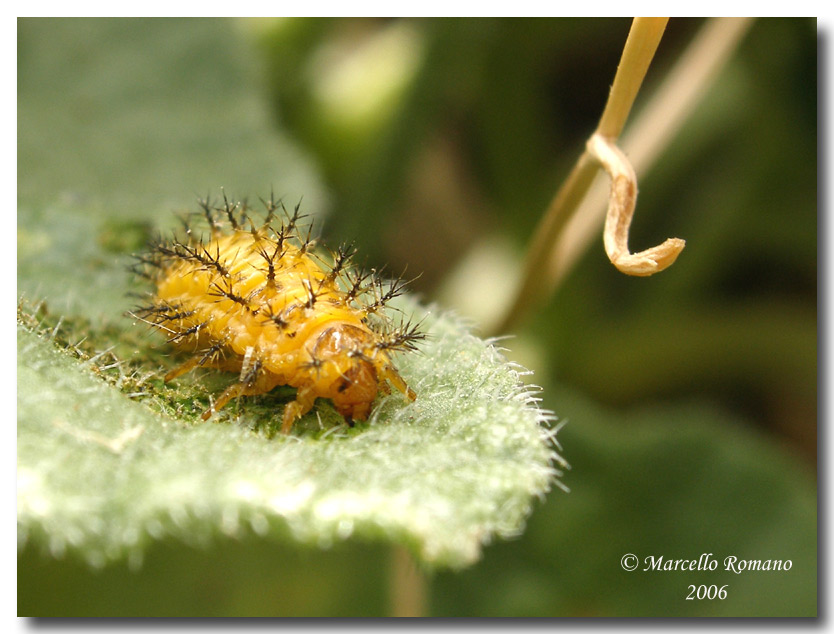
120,121
102,475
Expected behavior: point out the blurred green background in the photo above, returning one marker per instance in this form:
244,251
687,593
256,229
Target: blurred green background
435,145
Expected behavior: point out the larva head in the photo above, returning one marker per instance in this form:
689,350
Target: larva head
347,359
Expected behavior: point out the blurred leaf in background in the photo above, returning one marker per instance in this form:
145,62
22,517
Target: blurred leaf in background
455,182
492,112
690,396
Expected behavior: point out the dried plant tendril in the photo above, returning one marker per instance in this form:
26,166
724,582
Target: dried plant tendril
255,298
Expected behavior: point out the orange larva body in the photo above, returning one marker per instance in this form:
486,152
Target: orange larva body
249,301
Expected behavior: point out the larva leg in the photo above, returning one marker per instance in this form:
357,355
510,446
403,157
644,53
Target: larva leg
261,385
233,391
390,373
207,360
301,405
189,365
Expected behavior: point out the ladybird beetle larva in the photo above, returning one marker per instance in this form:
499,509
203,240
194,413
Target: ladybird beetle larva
256,299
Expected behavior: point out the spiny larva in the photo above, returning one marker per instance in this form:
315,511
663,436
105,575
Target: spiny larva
256,299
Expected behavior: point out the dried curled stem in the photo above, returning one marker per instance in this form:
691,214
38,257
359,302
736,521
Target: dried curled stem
641,44
621,203
562,234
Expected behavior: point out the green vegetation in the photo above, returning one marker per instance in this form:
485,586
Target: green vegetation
436,145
